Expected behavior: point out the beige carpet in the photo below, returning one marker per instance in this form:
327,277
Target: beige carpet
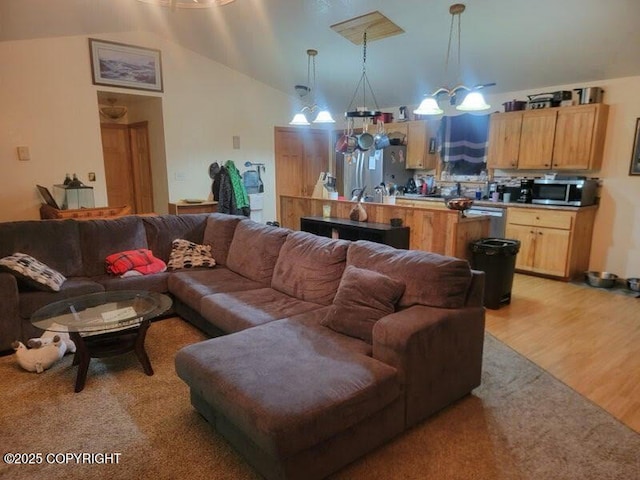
520,424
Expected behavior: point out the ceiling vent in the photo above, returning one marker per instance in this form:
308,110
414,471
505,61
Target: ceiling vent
375,24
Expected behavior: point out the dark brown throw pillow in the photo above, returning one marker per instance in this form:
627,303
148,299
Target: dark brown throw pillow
363,298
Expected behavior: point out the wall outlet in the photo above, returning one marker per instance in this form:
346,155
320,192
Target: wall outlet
236,142
92,176
179,176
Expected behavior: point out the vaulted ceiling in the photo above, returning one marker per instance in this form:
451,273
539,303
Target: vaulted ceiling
519,44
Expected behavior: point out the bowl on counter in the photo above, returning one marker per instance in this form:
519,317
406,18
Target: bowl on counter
600,279
633,284
458,203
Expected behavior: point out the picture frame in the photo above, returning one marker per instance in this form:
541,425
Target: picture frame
634,168
127,66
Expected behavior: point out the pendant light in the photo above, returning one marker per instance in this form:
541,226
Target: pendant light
323,115
473,100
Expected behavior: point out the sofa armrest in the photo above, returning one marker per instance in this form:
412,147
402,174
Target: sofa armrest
10,322
437,352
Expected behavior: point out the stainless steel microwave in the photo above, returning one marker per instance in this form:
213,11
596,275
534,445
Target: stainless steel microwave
577,193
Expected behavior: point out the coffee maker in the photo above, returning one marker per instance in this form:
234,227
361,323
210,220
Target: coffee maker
526,191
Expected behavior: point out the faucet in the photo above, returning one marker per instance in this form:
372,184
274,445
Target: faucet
458,189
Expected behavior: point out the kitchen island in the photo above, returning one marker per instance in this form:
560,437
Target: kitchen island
433,229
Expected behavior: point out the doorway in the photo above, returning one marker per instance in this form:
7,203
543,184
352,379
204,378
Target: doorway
133,147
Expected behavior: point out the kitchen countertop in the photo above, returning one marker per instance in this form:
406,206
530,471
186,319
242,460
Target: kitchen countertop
488,203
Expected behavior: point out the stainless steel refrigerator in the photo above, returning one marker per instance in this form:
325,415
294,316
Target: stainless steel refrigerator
373,167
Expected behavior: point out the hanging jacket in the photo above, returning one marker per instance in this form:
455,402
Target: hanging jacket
239,191
226,198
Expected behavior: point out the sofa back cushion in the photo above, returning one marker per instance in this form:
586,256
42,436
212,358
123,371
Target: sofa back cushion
218,233
254,250
100,238
310,267
430,279
163,229
55,243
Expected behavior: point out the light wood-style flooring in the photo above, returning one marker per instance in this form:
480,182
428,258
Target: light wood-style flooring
588,338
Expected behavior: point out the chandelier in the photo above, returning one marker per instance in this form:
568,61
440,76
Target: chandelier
113,111
363,111
188,3
473,100
323,116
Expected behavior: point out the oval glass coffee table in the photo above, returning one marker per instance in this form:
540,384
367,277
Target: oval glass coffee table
104,324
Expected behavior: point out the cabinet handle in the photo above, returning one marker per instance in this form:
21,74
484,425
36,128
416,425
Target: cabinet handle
546,165
539,233
531,231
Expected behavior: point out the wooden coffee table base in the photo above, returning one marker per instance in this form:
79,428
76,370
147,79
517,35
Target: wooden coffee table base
108,345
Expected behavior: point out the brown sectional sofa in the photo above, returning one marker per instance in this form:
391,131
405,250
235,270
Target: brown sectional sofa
297,398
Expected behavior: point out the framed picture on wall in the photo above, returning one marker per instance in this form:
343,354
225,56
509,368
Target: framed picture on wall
119,65
634,169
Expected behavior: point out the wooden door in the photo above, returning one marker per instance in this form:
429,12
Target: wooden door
574,135
116,151
504,140
536,139
127,166
316,158
300,155
141,167
526,235
552,251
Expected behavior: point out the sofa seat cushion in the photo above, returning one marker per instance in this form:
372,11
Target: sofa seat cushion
309,267
163,229
313,320
100,238
191,286
284,386
235,311
254,250
29,302
430,279
155,282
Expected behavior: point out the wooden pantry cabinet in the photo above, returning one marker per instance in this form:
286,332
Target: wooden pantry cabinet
561,138
554,243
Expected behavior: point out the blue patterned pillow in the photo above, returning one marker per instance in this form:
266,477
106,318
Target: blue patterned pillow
32,272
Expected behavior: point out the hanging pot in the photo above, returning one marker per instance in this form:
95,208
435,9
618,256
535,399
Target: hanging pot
365,141
381,139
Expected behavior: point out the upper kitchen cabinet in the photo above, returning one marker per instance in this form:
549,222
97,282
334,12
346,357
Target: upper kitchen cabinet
580,133
561,138
504,140
421,144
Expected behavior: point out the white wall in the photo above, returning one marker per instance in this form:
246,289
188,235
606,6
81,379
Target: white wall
49,104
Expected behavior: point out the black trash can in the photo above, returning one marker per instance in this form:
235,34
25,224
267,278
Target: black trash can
497,258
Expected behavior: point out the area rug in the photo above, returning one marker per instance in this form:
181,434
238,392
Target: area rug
521,423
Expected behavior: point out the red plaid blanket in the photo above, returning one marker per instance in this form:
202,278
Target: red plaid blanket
141,260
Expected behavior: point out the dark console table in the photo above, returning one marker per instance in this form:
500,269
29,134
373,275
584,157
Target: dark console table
397,237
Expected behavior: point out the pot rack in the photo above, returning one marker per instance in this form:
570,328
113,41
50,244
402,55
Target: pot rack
364,111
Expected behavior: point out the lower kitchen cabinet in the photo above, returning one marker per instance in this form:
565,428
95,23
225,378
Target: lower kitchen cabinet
554,243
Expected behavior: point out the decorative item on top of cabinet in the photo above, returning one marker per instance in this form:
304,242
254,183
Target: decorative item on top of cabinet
554,243
560,138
